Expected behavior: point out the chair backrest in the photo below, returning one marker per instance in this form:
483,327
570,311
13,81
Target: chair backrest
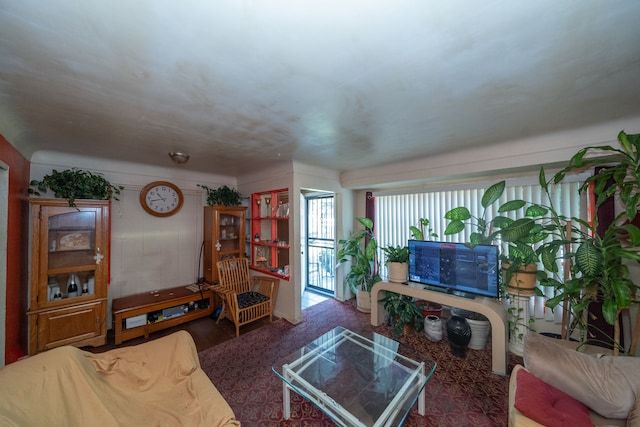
233,274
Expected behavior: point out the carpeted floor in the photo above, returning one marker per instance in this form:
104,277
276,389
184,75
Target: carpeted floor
462,391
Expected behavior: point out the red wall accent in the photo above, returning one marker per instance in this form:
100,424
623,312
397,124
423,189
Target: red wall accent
17,251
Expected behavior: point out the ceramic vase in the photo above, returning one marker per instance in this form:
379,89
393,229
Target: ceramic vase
459,335
433,328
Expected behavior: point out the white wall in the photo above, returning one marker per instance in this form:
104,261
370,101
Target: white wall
516,157
147,252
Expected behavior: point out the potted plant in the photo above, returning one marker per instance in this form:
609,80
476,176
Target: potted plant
598,267
403,312
518,237
74,183
222,196
397,261
361,249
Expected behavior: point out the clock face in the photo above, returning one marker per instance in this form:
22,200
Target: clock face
161,198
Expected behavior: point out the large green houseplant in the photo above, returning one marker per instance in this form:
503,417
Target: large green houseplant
598,266
361,250
74,183
518,237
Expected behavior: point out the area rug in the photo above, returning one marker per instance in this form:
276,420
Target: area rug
462,391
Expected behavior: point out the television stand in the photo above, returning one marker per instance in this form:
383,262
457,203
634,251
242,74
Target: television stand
490,308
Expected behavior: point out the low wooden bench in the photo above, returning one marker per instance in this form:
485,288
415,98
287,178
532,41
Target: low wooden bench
156,301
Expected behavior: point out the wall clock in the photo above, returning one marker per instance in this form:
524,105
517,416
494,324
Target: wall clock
161,198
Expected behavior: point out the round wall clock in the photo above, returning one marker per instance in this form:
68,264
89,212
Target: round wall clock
161,198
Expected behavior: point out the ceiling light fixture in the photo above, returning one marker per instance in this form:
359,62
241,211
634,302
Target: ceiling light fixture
179,157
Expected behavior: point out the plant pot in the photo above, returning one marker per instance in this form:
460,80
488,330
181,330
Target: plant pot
523,281
430,308
480,330
480,327
363,300
397,272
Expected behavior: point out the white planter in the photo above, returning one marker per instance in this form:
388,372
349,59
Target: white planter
397,272
363,300
480,330
433,328
518,321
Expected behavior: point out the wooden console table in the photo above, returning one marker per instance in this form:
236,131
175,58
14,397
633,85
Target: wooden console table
490,308
149,302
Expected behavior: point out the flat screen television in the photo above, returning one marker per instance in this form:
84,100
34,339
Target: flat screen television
455,268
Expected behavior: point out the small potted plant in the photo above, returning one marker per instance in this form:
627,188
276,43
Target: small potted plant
222,196
397,261
74,183
403,312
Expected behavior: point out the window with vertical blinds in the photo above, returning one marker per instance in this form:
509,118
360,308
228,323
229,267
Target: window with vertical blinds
395,213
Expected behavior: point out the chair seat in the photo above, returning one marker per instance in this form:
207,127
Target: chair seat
247,299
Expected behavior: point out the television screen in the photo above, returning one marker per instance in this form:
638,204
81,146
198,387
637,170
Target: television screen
454,267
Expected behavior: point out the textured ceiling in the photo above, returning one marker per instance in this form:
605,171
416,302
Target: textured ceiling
335,83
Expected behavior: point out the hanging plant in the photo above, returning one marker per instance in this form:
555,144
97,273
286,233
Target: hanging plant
74,183
224,195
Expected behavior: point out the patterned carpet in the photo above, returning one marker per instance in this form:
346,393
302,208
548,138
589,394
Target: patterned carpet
462,391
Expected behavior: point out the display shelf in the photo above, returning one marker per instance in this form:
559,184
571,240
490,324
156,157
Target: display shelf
270,246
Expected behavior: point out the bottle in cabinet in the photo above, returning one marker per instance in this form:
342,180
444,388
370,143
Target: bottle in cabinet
224,237
69,251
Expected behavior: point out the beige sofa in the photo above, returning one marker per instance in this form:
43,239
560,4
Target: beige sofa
558,385
158,383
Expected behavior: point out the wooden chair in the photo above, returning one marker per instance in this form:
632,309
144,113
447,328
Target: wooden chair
246,298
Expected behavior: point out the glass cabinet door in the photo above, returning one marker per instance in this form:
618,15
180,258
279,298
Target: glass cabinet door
229,235
72,253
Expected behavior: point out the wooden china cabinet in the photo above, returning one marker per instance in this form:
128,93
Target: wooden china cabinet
224,237
69,273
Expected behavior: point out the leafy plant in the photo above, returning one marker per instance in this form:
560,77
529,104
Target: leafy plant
396,254
598,269
74,183
222,196
361,250
518,237
402,310
423,230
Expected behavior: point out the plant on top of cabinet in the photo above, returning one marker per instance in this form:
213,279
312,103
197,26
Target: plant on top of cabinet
222,196
74,183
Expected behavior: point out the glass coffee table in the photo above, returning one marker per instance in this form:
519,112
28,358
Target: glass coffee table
355,380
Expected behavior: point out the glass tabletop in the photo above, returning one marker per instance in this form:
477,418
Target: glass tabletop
355,380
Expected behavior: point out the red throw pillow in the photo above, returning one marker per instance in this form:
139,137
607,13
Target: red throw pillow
545,404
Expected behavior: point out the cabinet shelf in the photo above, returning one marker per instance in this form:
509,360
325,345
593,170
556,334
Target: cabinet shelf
269,272
270,241
224,237
66,270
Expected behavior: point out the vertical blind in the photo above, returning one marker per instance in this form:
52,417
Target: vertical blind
395,213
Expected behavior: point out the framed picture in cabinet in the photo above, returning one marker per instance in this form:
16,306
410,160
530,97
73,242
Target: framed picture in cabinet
76,240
